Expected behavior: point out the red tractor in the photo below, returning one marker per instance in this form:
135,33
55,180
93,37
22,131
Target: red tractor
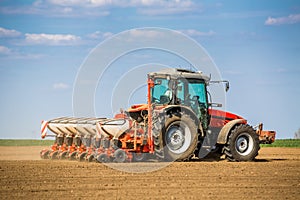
177,123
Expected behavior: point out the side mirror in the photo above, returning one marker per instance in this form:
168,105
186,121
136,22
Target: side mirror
216,105
226,86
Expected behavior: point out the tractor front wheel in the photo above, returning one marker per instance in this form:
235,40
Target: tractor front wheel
242,144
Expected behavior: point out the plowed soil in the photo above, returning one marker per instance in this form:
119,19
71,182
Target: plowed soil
274,175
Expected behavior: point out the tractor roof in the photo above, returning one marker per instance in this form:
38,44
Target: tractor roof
175,73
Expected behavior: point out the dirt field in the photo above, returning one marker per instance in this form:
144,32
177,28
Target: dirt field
275,175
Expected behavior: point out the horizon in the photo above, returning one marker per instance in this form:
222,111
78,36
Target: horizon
254,44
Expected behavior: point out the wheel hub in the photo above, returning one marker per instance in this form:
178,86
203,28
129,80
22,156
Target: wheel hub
244,144
178,138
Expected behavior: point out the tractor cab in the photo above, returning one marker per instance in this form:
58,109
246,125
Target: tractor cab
182,88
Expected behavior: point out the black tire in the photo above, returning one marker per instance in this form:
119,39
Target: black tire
53,155
91,158
180,137
120,156
103,158
242,144
157,126
82,157
139,157
63,155
44,154
73,156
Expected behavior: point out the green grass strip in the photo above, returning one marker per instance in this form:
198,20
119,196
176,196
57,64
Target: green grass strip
28,142
9,142
283,143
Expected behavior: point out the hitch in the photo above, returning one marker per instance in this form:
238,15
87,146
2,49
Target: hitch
265,137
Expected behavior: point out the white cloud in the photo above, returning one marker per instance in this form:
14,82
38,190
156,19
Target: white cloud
195,33
55,10
83,8
51,39
162,3
158,7
146,7
157,34
145,33
99,35
85,3
123,3
21,10
14,54
66,2
60,86
291,19
104,2
9,32
4,50
163,11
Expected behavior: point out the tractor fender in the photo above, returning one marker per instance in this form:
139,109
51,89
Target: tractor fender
184,109
224,133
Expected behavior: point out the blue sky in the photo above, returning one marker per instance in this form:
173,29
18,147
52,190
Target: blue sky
255,44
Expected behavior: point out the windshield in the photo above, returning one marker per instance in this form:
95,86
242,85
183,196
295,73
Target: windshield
197,91
192,93
161,92
191,90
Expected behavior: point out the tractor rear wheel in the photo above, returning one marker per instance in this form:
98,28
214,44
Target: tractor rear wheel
180,137
242,144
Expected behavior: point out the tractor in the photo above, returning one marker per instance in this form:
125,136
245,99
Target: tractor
178,123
